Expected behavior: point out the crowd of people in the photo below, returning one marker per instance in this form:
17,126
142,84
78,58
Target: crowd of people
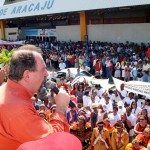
127,61
100,119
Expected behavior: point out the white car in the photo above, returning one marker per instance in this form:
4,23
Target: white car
62,73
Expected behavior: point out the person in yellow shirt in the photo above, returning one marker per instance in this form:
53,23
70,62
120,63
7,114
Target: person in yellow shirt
100,139
135,145
120,137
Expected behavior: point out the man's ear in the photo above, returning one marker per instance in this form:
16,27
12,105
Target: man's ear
26,75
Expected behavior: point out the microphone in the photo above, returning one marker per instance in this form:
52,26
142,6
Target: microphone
53,86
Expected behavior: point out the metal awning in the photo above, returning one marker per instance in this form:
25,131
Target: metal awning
45,7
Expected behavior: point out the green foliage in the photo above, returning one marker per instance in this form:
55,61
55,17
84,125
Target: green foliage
5,56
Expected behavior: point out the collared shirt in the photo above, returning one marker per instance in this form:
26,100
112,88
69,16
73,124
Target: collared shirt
19,120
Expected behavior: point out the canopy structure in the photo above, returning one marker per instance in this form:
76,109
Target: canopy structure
45,7
2,2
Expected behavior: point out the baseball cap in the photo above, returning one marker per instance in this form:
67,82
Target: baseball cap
55,141
94,105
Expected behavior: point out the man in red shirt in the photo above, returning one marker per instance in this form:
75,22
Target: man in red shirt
20,122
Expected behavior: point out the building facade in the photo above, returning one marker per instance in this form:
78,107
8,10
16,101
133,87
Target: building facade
113,21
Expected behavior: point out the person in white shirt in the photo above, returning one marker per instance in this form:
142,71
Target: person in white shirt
100,90
94,93
86,99
139,104
132,119
121,94
129,100
94,99
62,65
121,108
135,110
111,96
85,68
147,106
108,103
69,74
114,117
145,65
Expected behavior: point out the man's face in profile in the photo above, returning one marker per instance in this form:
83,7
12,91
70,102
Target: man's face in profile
37,77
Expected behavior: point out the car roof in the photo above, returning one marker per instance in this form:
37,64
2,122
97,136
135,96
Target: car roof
72,70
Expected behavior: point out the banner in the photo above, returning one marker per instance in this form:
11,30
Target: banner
137,87
40,32
6,43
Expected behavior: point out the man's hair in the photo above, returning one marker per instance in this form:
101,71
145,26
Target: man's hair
22,59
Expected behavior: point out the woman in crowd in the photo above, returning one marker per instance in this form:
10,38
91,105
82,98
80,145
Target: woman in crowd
76,62
103,113
127,72
75,89
135,110
141,125
79,94
144,113
98,67
117,70
144,138
147,106
123,66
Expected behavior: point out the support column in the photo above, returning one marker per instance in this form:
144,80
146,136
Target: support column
146,16
83,25
3,26
102,19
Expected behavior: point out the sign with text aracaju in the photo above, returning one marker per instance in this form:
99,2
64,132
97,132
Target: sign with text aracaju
28,9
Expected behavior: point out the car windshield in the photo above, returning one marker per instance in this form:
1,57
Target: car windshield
86,73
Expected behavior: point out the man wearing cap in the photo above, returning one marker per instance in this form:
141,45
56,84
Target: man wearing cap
120,137
100,139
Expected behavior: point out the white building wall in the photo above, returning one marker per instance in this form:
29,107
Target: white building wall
67,33
120,32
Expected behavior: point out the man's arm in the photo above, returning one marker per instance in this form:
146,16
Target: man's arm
28,126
